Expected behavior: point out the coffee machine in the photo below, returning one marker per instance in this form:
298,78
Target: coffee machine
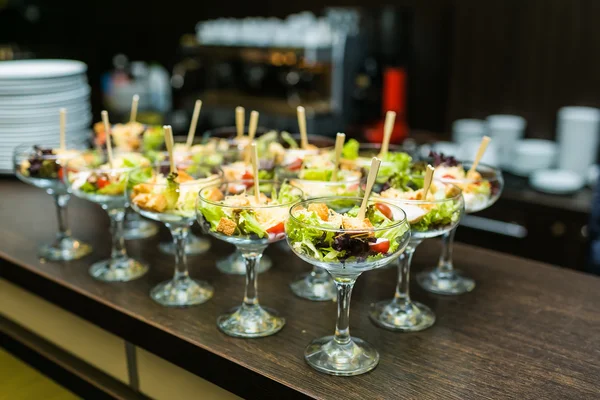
272,66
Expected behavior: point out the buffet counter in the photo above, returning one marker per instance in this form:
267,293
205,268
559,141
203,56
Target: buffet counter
529,330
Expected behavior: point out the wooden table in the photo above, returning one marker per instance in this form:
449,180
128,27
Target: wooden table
528,331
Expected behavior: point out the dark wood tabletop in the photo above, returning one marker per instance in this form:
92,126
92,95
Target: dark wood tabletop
528,331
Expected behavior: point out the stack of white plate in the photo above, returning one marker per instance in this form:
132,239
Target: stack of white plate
31,94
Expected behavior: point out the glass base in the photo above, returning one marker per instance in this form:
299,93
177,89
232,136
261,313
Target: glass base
354,358
313,287
250,322
118,271
448,283
139,229
195,245
182,292
409,316
234,264
64,250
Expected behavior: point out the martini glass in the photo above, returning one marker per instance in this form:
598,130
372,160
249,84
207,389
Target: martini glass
105,185
444,279
229,212
317,285
342,354
43,168
154,197
436,216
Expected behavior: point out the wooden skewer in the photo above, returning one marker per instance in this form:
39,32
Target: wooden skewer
339,145
427,182
251,133
254,152
482,148
375,163
107,130
169,143
388,127
192,131
134,107
302,125
240,117
63,127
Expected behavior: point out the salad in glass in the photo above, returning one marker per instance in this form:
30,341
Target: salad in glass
237,214
105,183
43,167
131,137
356,155
327,233
430,215
170,197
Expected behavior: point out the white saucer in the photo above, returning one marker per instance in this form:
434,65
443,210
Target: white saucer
556,181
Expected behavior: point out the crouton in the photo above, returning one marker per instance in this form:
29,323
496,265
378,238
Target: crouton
356,223
213,194
141,188
226,226
151,202
320,209
183,176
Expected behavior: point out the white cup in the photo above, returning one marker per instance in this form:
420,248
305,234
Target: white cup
577,136
505,131
464,130
468,151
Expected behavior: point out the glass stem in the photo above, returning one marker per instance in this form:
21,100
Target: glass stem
402,295
342,325
251,292
445,264
64,232
118,252
180,235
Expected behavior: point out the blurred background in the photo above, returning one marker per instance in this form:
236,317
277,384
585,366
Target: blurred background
517,70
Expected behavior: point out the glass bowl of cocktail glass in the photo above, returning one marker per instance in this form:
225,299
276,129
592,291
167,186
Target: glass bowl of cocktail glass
429,217
43,167
170,198
127,138
234,213
480,189
314,177
327,233
103,182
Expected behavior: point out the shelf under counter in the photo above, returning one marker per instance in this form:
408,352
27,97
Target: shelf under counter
529,330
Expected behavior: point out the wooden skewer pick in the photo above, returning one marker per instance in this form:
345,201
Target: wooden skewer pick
339,145
251,133
427,182
134,107
240,116
63,127
108,133
375,163
482,148
169,143
302,125
254,152
388,127
192,131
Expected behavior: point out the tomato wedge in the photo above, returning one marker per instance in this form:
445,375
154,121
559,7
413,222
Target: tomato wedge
101,182
385,210
248,179
380,246
61,173
276,229
295,165
448,176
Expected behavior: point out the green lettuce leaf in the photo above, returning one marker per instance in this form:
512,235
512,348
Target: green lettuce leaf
171,193
248,224
287,138
153,139
212,214
316,174
350,149
87,187
305,237
114,189
441,215
393,235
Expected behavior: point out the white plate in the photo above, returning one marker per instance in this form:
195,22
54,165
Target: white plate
72,120
33,89
40,69
556,181
35,101
72,109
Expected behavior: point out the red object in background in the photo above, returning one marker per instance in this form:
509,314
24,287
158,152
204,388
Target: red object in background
394,99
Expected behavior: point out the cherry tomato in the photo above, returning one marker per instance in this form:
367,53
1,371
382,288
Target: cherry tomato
248,179
295,165
385,210
448,176
61,173
380,246
101,182
276,229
